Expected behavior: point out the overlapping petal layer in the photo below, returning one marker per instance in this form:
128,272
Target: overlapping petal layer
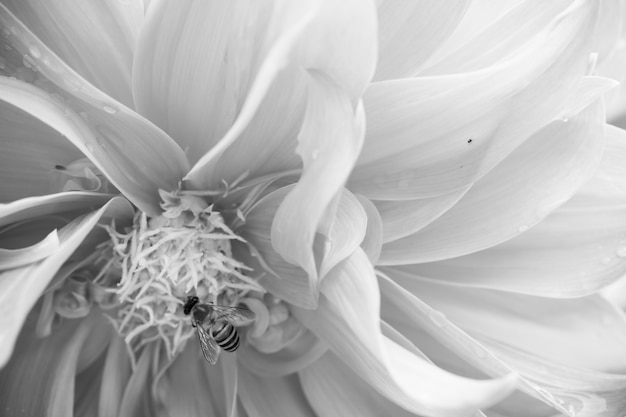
97,39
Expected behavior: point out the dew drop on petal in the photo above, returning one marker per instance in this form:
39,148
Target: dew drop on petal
109,109
522,228
34,51
29,62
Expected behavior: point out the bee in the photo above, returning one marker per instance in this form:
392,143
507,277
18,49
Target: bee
220,330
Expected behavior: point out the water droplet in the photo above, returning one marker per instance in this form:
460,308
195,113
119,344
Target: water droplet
522,228
315,154
109,109
29,62
438,318
34,51
564,119
571,410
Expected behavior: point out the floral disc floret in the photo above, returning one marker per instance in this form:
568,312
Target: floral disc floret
162,260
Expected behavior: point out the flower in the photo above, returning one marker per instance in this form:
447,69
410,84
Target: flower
417,208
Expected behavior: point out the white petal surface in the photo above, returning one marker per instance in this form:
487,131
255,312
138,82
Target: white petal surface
410,31
13,258
419,130
21,287
348,320
333,389
96,38
125,153
511,199
562,354
329,143
29,152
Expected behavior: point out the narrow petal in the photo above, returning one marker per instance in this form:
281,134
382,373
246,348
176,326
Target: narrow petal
14,258
184,389
127,155
482,38
348,320
50,205
329,143
29,152
47,367
21,287
509,102
566,351
333,389
96,38
115,376
410,31
564,155
282,396
137,400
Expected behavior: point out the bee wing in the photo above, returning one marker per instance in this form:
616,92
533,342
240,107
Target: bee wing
207,344
235,315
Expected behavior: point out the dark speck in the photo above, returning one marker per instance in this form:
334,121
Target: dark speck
469,141
59,167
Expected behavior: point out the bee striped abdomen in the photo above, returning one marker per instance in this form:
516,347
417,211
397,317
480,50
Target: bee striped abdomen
226,336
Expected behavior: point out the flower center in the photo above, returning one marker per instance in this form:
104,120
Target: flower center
162,260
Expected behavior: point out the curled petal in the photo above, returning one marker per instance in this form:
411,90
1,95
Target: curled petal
329,143
131,165
347,319
300,354
547,341
21,287
13,258
373,240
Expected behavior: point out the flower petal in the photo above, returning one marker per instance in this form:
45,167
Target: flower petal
563,155
48,368
21,287
282,396
564,350
180,36
115,376
409,32
403,218
298,355
53,204
487,34
137,401
184,389
373,240
14,258
128,155
95,38
330,141
348,320
333,389
509,102
29,152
